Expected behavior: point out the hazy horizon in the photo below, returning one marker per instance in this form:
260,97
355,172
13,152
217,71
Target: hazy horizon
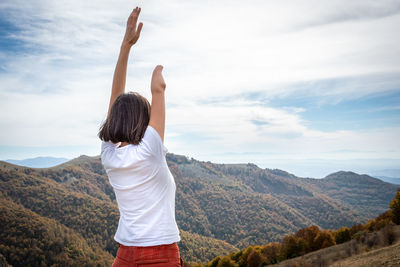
302,169
306,88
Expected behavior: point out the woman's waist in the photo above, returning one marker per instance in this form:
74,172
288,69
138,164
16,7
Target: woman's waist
171,245
146,237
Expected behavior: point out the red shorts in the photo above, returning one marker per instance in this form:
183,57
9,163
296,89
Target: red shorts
153,256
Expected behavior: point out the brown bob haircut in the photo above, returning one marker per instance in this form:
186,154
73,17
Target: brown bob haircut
128,119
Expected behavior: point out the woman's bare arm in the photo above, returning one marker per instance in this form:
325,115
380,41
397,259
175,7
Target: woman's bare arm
157,114
131,36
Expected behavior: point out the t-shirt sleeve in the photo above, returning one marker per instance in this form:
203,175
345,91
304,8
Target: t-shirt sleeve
105,145
152,143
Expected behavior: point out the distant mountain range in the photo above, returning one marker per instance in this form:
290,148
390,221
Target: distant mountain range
47,162
219,207
38,162
389,179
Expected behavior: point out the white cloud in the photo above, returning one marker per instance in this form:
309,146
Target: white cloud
278,134
55,91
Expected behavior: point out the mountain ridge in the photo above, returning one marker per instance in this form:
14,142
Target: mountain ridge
279,172
38,162
238,204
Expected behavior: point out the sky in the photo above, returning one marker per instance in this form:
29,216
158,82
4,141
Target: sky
310,87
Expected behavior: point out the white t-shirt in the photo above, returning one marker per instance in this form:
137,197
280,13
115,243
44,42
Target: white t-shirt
145,191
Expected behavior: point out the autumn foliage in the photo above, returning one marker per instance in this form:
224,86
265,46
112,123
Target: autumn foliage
306,240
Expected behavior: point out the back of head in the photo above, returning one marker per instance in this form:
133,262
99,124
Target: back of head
128,119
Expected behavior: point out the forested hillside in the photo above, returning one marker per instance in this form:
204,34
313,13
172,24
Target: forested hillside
376,243
219,208
244,204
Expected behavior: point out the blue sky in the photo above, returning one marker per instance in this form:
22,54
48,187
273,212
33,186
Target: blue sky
311,87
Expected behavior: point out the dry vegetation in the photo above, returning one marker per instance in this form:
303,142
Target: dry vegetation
387,256
381,248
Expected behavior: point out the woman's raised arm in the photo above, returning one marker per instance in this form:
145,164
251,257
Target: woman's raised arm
157,113
131,36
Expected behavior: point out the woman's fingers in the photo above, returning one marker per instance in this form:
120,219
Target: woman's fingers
135,13
133,30
139,29
158,69
157,80
134,17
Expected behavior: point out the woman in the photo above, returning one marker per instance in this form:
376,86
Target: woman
133,155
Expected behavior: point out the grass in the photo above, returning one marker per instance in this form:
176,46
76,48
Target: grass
380,248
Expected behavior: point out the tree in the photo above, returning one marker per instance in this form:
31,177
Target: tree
290,247
214,262
324,239
255,259
342,235
356,229
241,258
271,252
308,235
395,207
227,262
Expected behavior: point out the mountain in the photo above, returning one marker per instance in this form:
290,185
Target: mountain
394,173
244,204
38,162
368,195
389,179
219,207
79,201
27,237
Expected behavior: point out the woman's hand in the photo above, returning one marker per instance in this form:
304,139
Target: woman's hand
157,80
132,34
